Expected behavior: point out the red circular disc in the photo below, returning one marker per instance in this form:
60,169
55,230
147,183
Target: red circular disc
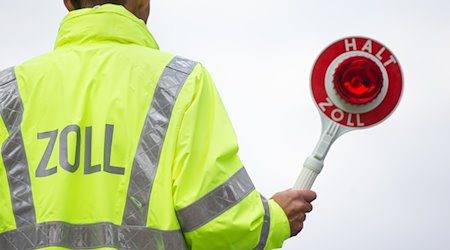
356,82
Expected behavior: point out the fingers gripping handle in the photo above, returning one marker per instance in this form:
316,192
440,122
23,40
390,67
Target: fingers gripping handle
311,169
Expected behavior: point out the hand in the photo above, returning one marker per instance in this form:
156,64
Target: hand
295,203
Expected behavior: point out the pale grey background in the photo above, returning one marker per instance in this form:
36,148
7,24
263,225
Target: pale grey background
382,188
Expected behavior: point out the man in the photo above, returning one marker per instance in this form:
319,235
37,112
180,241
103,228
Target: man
109,143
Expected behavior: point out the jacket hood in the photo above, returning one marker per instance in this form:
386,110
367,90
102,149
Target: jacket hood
105,23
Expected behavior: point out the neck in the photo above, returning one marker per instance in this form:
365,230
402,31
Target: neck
80,4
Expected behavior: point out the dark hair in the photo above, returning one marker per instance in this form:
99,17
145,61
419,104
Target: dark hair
78,4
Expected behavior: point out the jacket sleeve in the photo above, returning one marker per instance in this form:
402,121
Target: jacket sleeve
216,202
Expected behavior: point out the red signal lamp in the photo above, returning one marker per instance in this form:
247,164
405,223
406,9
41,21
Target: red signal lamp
358,80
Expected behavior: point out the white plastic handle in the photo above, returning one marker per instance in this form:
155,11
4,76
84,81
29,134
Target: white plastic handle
313,164
306,179
311,169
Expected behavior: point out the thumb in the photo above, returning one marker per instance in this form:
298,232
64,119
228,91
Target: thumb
309,195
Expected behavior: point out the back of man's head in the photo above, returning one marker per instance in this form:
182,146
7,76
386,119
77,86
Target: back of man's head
78,4
140,8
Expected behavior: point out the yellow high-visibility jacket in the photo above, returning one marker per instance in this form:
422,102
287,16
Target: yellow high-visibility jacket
109,143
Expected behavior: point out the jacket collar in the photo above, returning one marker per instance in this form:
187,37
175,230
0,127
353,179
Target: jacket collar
109,22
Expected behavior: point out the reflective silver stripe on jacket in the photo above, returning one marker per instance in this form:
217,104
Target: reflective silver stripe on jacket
216,202
88,236
13,151
266,226
146,161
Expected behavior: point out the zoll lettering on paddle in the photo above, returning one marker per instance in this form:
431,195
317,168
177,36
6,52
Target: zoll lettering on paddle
356,83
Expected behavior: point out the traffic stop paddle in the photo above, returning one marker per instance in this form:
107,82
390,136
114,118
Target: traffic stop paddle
356,83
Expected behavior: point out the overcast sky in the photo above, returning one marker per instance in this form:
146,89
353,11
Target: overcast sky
387,187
